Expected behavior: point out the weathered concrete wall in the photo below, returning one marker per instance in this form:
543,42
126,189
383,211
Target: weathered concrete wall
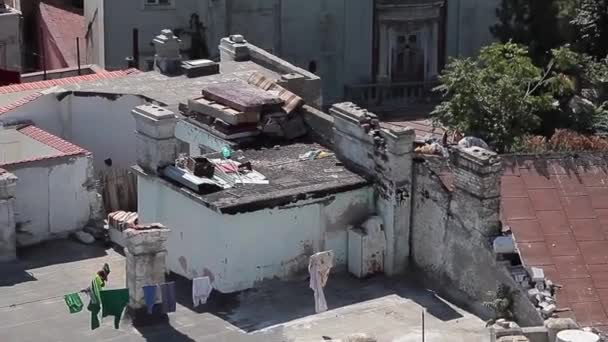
10,40
94,51
101,124
237,251
451,241
54,197
468,26
8,242
336,36
121,17
384,155
145,262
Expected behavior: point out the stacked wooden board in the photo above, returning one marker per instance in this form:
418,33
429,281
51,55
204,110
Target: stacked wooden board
236,109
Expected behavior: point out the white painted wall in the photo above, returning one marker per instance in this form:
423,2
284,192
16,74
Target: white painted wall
239,250
101,125
52,197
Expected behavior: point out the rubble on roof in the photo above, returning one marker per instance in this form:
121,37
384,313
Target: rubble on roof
238,110
208,175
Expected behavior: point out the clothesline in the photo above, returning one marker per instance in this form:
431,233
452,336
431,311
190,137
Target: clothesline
29,302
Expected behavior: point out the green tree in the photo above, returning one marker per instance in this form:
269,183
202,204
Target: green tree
496,97
539,24
591,22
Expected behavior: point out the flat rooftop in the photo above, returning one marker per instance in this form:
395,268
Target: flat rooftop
32,308
290,179
171,90
26,144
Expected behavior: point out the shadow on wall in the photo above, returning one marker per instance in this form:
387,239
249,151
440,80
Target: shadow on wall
276,302
14,273
58,252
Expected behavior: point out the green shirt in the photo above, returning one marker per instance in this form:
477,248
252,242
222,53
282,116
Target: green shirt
113,303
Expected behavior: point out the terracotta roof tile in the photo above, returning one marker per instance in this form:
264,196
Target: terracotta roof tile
66,80
64,147
55,82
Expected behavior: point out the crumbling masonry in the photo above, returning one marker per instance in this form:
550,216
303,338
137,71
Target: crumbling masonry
8,235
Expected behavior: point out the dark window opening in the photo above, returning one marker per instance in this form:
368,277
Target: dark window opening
108,162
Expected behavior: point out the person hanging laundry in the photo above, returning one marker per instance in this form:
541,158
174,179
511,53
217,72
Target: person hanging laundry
113,303
99,281
73,302
201,288
319,266
167,291
150,297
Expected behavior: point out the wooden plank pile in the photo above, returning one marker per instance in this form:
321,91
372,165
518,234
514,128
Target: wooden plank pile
236,109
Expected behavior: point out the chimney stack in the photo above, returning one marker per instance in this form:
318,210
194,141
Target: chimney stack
167,59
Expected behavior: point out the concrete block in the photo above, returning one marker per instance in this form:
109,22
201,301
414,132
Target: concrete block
548,309
540,285
146,241
153,154
154,121
536,334
537,274
504,245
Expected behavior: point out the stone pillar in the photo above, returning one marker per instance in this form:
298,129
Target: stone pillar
155,132
145,265
8,234
234,49
385,156
167,59
476,198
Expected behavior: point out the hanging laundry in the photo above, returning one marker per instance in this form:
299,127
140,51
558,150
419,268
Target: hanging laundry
150,297
167,291
201,288
113,303
95,303
319,266
73,302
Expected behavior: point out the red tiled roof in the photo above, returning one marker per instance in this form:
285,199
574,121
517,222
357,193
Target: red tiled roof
19,103
55,82
66,80
557,208
64,25
64,147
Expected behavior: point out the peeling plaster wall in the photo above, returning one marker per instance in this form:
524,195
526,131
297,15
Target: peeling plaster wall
237,251
454,258
52,197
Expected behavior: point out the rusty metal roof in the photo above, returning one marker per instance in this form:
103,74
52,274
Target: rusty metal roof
557,208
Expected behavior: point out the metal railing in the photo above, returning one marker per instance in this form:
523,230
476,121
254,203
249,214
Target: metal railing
391,96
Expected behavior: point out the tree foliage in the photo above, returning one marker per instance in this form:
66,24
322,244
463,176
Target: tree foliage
502,96
540,24
495,97
591,22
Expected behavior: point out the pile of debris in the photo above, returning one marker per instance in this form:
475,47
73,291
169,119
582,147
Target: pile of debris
541,292
238,110
204,175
